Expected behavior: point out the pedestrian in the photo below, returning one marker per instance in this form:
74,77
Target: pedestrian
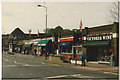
45,55
32,51
70,57
24,50
35,52
82,57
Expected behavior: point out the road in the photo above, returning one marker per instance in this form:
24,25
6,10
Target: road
17,68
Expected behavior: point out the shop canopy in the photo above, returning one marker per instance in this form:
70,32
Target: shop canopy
67,43
96,43
42,43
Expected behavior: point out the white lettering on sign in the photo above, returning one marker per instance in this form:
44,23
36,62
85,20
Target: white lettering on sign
115,35
94,38
106,37
84,38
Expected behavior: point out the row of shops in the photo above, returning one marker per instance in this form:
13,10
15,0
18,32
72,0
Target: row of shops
99,44
94,49
26,47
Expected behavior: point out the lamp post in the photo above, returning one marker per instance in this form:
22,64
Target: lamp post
46,16
46,28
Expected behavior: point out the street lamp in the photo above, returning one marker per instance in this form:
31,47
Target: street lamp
46,17
46,27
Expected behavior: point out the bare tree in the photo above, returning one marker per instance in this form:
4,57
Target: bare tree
113,12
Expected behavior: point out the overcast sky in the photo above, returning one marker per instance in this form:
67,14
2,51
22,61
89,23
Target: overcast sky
26,15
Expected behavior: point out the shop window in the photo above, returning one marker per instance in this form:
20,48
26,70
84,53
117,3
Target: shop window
105,56
66,49
79,50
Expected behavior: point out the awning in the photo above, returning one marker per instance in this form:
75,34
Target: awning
67,43
42,43
96,43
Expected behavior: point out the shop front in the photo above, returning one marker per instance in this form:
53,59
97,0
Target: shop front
10,47
98,48
20,46
66,48
13,46
44,47
27,48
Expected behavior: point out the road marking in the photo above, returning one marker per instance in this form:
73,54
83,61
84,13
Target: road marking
110,73
58,76
26,65
74,75
6,60
42,62
9,66
14,61
81,76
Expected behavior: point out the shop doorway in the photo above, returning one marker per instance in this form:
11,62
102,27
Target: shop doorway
91,54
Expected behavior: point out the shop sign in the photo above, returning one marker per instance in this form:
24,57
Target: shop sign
66,39
42,44
92,38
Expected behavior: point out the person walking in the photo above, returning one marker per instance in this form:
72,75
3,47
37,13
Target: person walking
82,57
24,50
35,51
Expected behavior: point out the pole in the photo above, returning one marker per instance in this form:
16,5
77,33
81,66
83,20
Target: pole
46,22
75,55
46,32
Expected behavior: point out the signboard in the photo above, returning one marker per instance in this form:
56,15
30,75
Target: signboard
89,38
93,38
65,39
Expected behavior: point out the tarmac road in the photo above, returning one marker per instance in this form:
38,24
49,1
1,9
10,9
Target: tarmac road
33,68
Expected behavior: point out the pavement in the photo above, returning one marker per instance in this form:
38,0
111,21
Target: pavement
89,66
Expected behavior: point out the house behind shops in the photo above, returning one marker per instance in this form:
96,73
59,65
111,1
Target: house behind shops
17,36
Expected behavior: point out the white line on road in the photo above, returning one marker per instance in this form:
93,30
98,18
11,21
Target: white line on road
81,76
9,66
6,60
42,62
14,61
58,76
74,75
26,65
110,73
